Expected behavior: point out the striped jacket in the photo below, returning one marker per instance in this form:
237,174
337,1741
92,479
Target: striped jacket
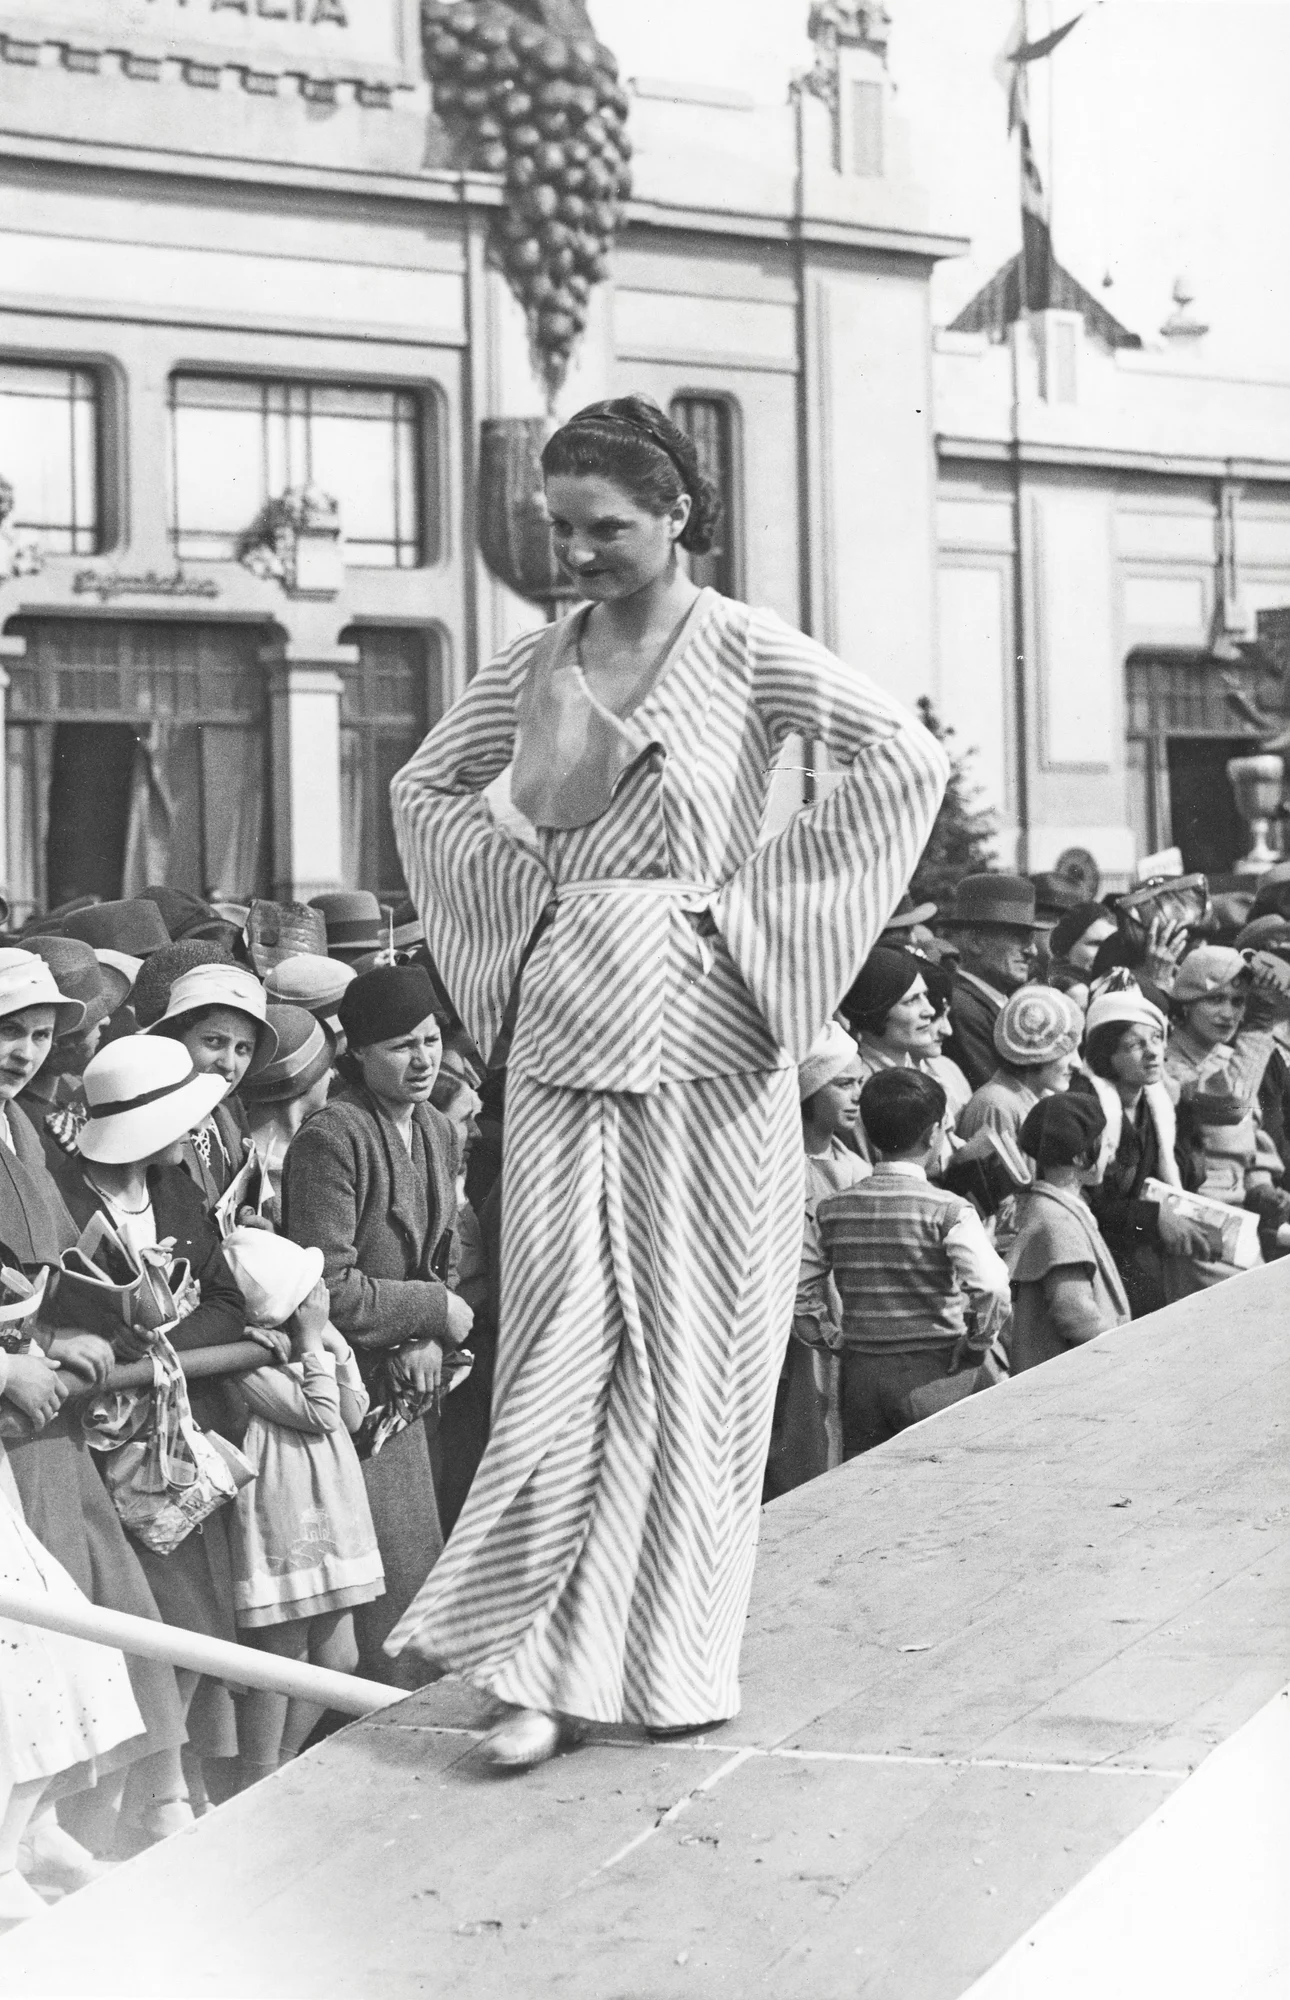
681,946
912,1263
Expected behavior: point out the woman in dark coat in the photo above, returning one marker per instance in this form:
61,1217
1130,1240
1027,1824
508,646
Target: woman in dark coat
144,1095
64,1501
370,1181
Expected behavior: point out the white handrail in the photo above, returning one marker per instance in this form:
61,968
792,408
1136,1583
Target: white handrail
244,1666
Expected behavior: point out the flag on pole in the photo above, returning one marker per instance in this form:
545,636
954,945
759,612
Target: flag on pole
1036,219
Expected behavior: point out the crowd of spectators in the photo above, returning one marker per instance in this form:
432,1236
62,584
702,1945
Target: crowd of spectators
249,1245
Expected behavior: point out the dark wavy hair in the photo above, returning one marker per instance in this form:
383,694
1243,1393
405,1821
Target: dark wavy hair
631,442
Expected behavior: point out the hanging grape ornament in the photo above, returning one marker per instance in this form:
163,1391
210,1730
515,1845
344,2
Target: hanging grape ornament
539,102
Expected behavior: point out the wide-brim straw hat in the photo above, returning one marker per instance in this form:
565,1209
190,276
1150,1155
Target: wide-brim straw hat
143,1093
231,986
26,981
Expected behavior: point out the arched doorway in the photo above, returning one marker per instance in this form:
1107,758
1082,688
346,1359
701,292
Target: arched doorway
1181,732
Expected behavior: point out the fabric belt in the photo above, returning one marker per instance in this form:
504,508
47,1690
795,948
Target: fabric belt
691,898
638,885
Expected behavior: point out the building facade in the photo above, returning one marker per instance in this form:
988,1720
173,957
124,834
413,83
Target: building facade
1111,520
248,332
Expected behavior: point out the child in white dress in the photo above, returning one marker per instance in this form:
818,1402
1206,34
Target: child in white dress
63,1703
303,1544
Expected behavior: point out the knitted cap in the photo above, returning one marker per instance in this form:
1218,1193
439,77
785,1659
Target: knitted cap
152,986
387,1002
1062,1129
831,1055
1209,969
1035,1025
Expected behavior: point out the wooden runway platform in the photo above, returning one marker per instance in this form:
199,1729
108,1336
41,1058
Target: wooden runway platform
977,1660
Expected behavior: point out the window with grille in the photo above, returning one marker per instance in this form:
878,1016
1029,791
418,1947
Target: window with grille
388,702
237,443
49,454
711,422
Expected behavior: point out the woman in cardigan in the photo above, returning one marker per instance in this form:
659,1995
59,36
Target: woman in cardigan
143,1096
370,1181
675,971
63,1499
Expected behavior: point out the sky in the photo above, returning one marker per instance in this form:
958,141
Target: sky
1161,126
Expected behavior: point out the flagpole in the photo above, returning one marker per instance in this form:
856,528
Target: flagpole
1020,692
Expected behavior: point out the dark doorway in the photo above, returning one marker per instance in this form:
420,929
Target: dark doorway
1206,824
89,806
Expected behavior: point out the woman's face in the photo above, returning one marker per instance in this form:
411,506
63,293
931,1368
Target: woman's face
403,1071
1084,950
836,1104
222,1043
25,1040
607,541
1217,1017
1053,1076
1139,1058
910,1028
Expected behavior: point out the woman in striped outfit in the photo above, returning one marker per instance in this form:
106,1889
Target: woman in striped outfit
675,972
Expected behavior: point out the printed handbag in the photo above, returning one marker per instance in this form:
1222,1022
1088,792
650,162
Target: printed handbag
164,1474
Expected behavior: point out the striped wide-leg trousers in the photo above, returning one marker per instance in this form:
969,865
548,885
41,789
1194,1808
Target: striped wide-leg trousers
603,1561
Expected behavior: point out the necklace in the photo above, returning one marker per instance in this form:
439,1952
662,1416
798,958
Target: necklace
115,1201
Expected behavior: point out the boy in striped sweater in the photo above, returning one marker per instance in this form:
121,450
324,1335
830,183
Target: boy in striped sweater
923,1291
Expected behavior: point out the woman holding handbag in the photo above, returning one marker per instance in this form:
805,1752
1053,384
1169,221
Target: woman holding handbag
144,1095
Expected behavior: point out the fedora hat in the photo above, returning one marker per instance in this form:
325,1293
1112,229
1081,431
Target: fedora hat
26,981
1054,895
77,972
123,962
274,1274
409,931
222,986
134,926
354,919
182,914
305,1054
142,1093
907,914
993,902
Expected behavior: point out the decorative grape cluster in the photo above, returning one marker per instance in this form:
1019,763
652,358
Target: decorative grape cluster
547,111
